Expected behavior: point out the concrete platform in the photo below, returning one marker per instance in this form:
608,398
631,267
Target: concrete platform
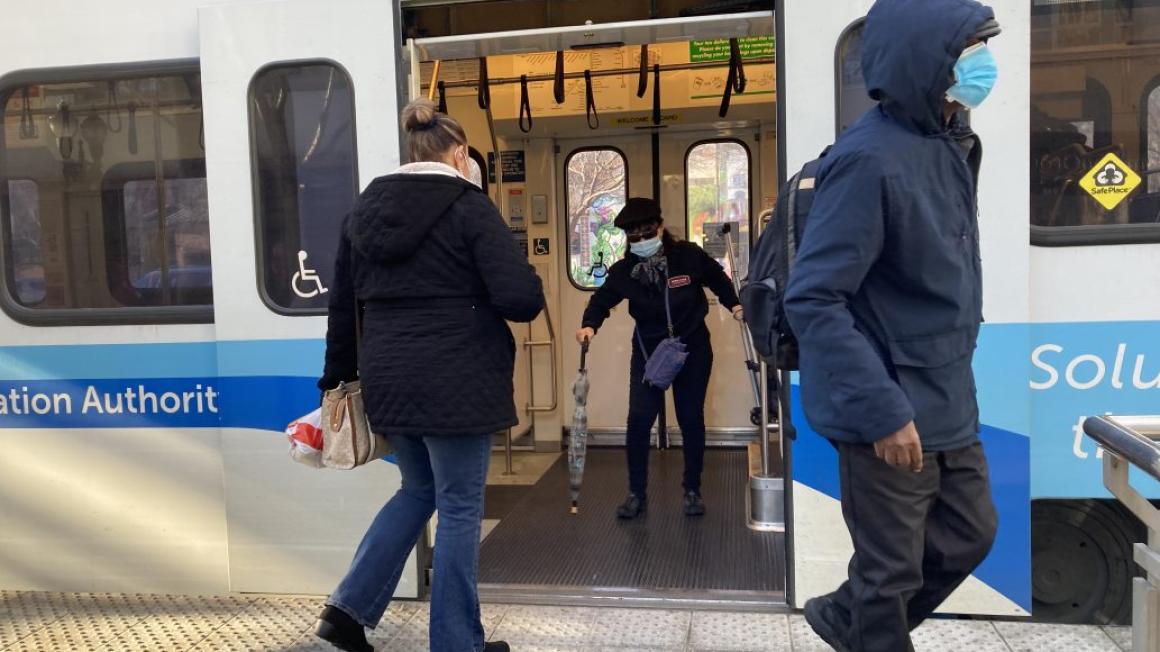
80,622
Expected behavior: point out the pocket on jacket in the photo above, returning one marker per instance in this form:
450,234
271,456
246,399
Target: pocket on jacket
931,351
935,372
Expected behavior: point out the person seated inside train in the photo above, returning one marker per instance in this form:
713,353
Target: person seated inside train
663,279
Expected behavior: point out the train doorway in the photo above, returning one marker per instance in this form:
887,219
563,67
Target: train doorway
572,122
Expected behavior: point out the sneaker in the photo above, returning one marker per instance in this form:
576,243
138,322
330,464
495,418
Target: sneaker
632,507
336,627
694,504
822,615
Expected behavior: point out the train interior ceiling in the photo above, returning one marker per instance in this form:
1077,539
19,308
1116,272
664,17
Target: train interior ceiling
642,113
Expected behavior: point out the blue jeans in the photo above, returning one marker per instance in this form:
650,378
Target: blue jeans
444,473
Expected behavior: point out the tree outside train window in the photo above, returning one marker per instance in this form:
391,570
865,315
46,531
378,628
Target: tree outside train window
1095,72
716,192
597,188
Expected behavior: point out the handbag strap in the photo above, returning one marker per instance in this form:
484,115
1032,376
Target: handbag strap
668,321
358,311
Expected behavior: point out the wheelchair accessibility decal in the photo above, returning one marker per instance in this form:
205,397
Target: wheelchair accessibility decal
305,281
1110,181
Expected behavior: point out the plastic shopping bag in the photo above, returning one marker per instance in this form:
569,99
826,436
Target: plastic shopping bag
305,435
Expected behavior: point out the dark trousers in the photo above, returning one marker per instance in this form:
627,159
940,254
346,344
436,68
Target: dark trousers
917,536
644,406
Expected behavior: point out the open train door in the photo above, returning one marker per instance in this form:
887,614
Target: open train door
283,84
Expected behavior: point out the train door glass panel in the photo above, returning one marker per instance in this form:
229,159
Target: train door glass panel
1090,69
305,179
717,183
65,143
596,188
610,353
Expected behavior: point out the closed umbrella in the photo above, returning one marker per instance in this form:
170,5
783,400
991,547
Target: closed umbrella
578,443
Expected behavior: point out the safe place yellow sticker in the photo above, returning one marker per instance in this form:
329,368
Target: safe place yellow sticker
1110,181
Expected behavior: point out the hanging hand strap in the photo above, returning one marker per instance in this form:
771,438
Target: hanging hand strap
132,128
735,60
656,111
590,101
484,95
27,122
113,109
442,86
736,79
642,75
525,105
64,142
558,84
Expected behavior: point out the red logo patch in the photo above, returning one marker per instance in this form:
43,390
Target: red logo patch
679,281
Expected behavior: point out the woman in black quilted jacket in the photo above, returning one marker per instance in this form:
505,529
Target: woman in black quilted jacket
439,274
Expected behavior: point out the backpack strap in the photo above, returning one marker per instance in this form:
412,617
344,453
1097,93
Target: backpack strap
791,220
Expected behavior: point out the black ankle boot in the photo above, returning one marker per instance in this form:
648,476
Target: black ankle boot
497,646
694,504
633,506
336,627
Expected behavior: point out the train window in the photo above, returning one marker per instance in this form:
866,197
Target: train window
305,179
596,190
853,100
717,192
83,243
1093,76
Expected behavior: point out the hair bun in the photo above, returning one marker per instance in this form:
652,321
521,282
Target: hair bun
419,115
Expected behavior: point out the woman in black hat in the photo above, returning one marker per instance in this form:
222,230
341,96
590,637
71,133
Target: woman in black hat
655,264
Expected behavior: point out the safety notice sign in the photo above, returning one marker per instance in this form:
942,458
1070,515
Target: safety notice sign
1110,181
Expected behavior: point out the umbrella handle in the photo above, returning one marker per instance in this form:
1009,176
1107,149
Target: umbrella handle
583,354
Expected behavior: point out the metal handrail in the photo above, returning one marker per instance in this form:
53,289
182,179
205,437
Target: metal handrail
1135,440
1132,438
551,344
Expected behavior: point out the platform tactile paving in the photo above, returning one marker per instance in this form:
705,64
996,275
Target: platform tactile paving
92,622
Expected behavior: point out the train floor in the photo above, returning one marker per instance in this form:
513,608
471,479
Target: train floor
537,543
77,622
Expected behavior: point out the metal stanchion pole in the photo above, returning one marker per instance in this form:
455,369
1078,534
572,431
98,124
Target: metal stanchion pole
764,381
507,451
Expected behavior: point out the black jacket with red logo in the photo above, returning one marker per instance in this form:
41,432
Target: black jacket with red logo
690,271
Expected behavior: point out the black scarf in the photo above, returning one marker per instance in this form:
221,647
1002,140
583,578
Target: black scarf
653,271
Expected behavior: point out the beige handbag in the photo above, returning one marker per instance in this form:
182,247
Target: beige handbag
347,440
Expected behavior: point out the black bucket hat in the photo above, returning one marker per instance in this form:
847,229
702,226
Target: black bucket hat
638,211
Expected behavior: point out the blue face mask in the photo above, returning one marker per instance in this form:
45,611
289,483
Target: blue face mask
975,75
646,248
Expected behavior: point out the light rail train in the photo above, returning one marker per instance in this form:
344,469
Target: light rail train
172,179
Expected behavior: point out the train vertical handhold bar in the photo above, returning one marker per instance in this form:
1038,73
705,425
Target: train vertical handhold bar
1133,441
725,230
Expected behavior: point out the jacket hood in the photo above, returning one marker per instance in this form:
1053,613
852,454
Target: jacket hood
909,50
396,212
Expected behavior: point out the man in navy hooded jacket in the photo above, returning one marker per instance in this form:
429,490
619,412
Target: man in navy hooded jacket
886,301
